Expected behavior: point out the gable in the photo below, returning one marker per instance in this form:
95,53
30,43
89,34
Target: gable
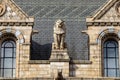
109,12
10,12
110,16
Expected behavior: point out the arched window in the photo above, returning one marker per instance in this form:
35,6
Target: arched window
111,59
8,59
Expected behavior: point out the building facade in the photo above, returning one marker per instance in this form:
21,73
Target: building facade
91,41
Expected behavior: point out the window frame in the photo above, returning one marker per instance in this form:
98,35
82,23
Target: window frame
116,48
13,58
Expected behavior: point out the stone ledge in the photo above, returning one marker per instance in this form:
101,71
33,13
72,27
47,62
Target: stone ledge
80,62
26,78
16,23
103,23
39,62
69,78
59,60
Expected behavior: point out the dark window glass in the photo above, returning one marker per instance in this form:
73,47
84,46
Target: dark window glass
111,58
8,59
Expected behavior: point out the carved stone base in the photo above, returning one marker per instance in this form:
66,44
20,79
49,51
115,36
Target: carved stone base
59,55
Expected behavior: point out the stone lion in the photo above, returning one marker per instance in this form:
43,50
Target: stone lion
59,34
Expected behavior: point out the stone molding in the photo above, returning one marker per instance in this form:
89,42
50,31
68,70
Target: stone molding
80,62
39,62
71,62
103,23
59,60
16,23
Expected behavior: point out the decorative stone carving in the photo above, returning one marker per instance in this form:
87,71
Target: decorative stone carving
59,58
59,55
59,34
117,8
2,7
59,76
59,50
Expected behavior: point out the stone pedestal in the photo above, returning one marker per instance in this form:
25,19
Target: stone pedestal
59,62
59,55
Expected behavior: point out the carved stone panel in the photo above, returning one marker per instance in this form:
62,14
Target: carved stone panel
2,8
117,8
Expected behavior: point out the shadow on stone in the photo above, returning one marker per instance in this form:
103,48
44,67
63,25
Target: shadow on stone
59,76
40,52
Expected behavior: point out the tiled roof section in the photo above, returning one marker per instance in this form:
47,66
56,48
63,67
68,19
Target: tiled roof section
59,8
73,12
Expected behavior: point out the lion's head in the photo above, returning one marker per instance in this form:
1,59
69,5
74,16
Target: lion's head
59,23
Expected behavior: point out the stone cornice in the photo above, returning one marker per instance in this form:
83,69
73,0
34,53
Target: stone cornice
103,23
59,60
16,23
39,62
67,60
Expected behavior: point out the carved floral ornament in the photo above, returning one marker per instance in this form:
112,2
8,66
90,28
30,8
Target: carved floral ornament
117,8
2,7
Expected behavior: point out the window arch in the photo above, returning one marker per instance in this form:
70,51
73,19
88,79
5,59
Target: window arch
111,58
8,59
